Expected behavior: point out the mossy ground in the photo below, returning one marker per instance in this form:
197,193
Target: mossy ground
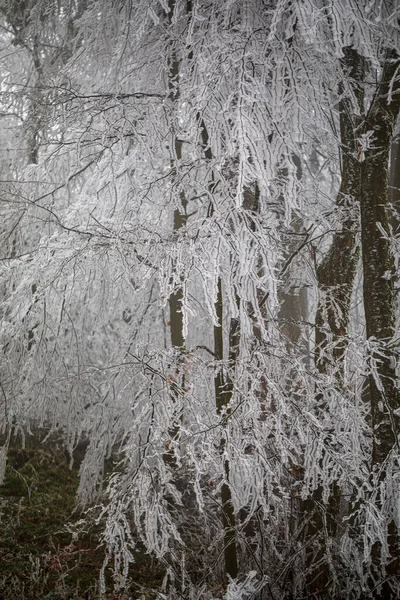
40,557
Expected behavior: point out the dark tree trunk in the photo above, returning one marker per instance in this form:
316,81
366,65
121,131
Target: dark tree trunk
335,275
378,264
176,377
379,308
223,387
394,184
223,393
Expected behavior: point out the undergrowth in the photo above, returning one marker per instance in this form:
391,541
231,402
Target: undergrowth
41,554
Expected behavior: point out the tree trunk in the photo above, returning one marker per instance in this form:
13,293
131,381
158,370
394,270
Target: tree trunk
293,307
223,393
379,307
394,184
335,275
223,386
176,377
378,284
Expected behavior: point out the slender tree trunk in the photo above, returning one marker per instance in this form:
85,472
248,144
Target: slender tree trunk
223,386
176,377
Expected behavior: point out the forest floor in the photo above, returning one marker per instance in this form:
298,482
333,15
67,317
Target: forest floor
41,557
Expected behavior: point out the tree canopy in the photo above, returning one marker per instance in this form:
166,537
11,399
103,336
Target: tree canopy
199,253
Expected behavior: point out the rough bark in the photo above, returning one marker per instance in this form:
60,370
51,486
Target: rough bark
377,269
394,184
336,272
379,306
